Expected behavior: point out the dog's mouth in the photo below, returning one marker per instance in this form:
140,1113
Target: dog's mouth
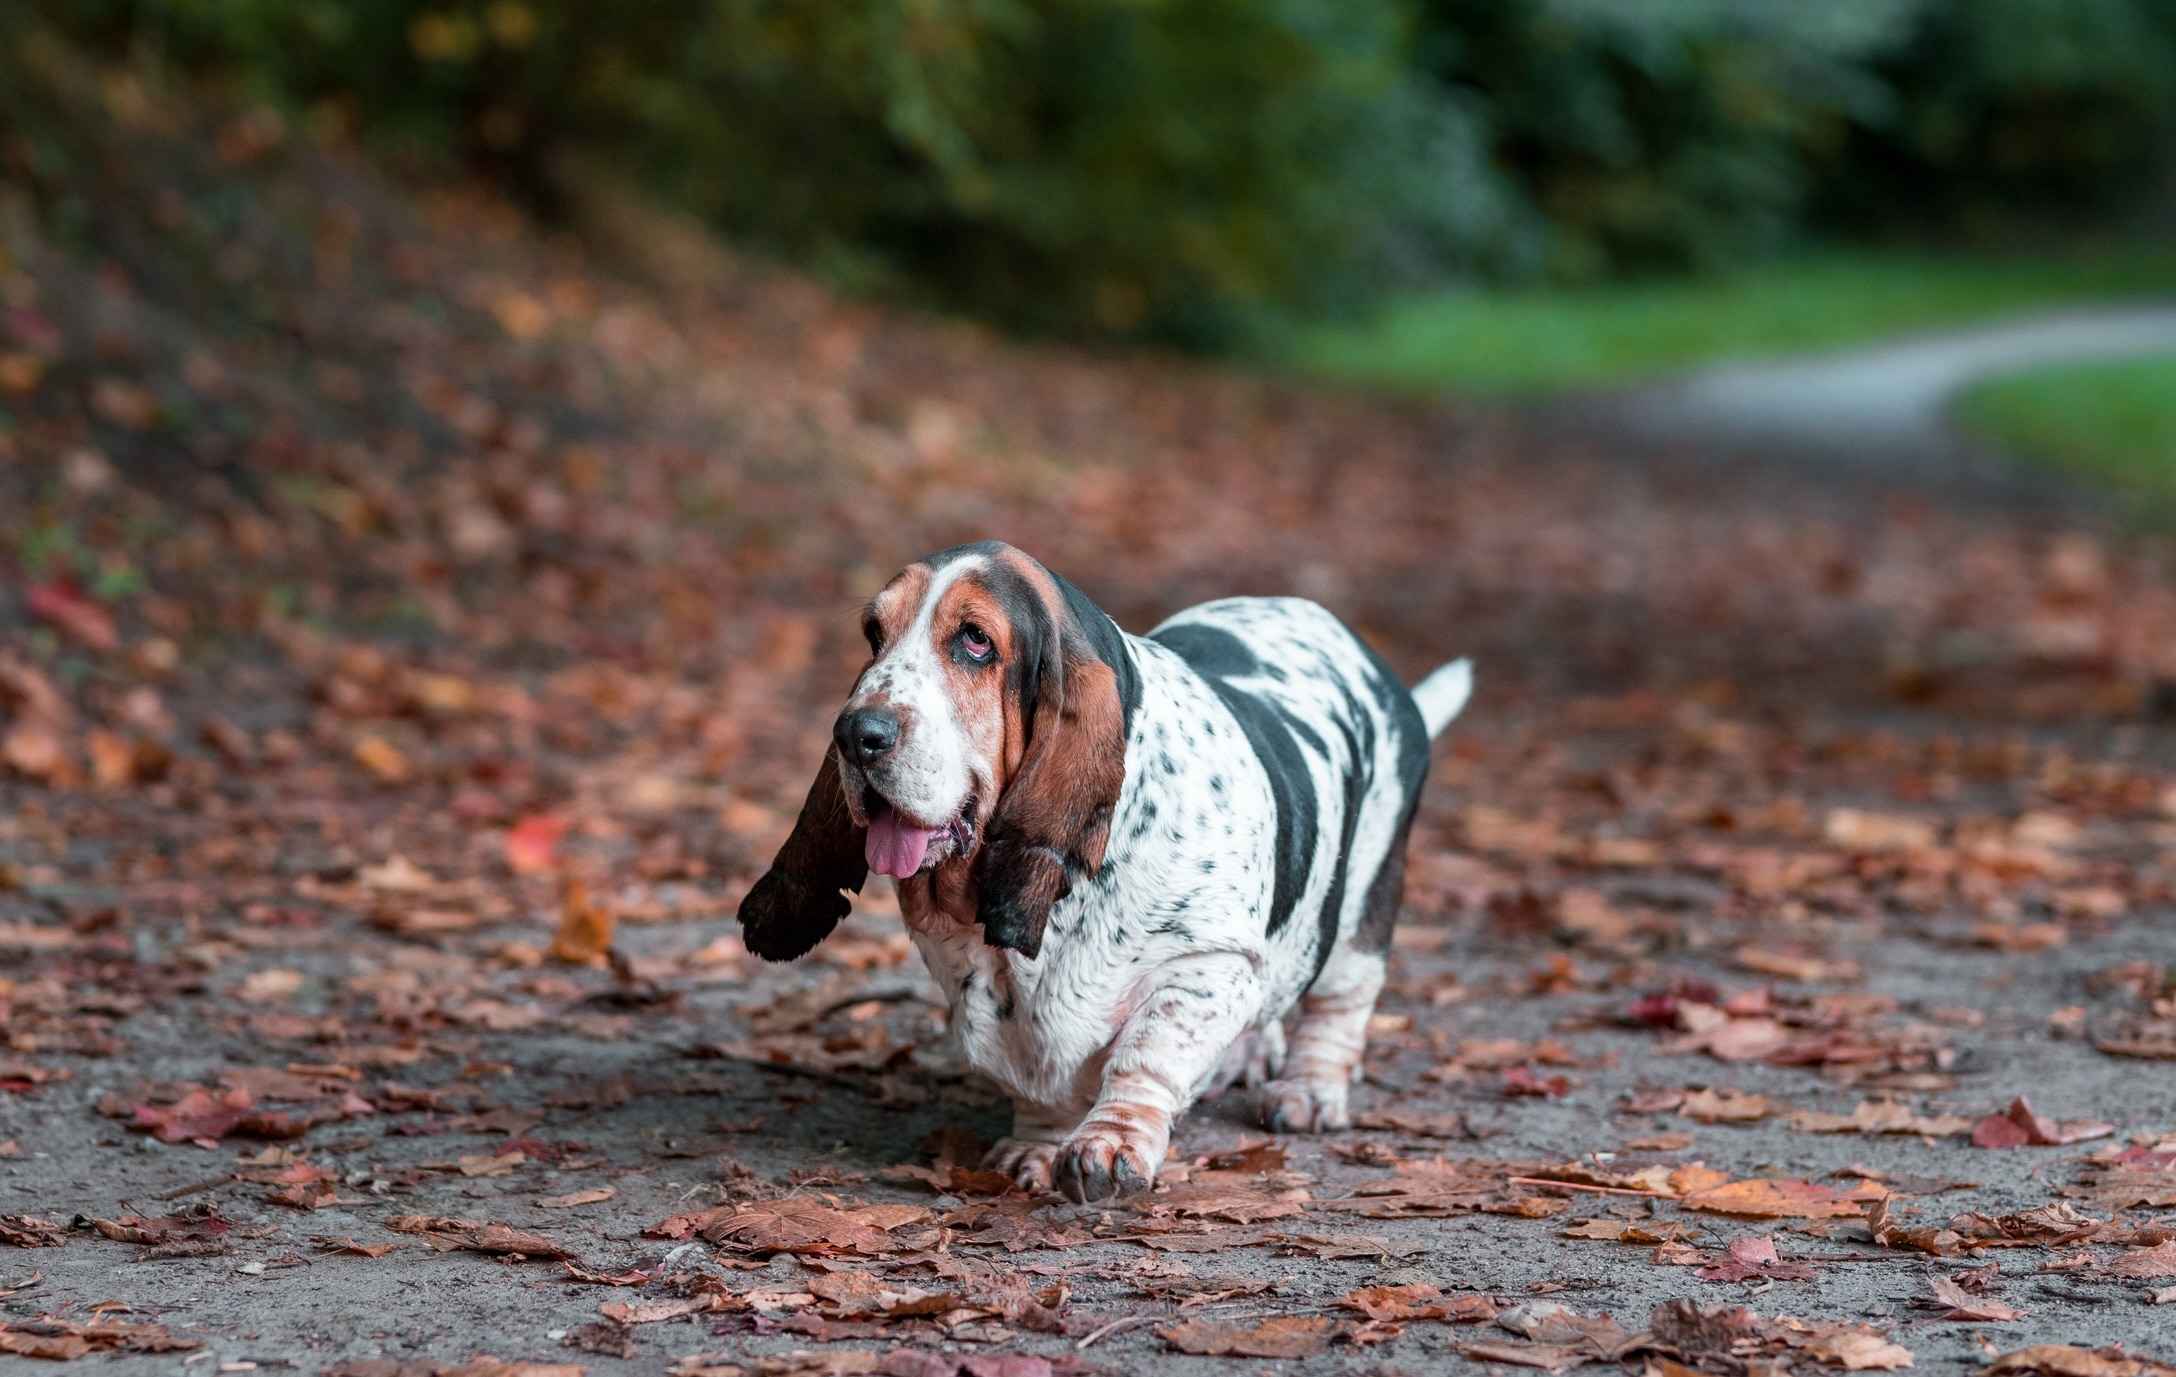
899,846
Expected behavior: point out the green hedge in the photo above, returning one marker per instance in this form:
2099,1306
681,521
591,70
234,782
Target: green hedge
1171,167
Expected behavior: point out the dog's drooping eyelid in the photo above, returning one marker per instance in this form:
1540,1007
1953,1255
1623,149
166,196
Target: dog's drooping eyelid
977,645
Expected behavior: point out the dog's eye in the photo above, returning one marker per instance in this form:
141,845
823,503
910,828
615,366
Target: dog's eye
874,630
976,644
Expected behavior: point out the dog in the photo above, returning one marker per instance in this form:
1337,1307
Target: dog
1124,859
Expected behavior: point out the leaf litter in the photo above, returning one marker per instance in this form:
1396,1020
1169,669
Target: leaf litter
445,735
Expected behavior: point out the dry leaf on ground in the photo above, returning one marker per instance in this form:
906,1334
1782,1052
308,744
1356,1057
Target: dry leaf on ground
1763,1198
475,1235
1281,1337
2020,1126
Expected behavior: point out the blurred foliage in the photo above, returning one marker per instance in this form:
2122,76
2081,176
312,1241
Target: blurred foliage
2053,113
1173,167
1669,133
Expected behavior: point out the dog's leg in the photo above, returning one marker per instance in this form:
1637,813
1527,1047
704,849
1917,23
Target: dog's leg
1168,1050
1324,1060
1028,1152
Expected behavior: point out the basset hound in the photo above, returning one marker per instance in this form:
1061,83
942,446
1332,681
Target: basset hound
1124,858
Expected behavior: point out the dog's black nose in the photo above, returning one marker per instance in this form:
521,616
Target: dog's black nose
866,736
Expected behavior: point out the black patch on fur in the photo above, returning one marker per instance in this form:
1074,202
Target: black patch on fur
1108,644
1387,890
1277,738
1359,774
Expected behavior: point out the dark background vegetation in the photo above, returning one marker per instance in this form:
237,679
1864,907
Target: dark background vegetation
1152,167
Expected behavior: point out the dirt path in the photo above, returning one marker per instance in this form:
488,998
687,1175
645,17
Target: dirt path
1889,401
395,613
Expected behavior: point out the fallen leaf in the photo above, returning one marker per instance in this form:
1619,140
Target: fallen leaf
2068,1360
585,929
1724,1106
1418,1301
1959,1305
72,614
1751,1259
794,1225
596,1195
652,1311
344,1246
201,1116
383,760
29,1231
1858,1350
2146,1264
1413,1123
532,843
269,987
1881,1116
2020,1126
1763,1198
1858,829
475,1235
1272,1338
1519,1081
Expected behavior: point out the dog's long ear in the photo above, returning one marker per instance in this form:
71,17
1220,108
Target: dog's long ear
798,901
1077,687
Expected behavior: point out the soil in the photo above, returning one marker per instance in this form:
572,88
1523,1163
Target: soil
421,627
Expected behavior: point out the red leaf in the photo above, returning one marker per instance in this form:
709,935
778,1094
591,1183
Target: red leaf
532,843
2021,1126
75,616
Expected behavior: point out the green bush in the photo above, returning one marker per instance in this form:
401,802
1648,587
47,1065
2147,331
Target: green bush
1661,134
1111,165
2014,114
1174,167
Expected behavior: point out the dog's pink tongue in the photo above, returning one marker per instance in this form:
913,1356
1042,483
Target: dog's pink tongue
896,846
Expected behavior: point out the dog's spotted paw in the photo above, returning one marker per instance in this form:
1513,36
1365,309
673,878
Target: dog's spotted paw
1105,1160
1304,1106
1027,1161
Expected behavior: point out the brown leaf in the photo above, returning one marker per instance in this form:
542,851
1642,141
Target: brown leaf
596,1195
1959,1305
1724,1106
382,759
1890,1233
2067,1360
1418,1301
475,1235
2153,1263
652,1311
585,929
29,1231
1413,1123
795,1225
1857,1350
2051,1225
1272,1338
1880,1116
1763,1198
344,1246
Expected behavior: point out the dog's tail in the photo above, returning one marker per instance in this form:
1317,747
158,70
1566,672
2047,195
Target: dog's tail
1442,695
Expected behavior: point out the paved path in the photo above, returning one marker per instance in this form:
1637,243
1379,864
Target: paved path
1892,398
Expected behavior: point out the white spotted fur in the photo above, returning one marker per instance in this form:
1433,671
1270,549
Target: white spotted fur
1159,973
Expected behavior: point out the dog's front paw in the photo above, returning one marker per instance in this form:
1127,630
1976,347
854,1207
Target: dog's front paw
1304,1106
1028,1161
1107,1159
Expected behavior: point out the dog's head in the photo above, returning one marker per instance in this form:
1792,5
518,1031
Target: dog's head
988,730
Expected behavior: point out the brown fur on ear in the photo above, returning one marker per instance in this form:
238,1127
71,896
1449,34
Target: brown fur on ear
1077,683
798,901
